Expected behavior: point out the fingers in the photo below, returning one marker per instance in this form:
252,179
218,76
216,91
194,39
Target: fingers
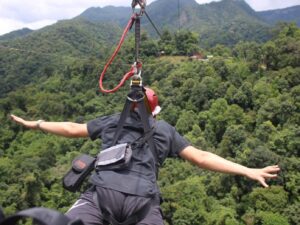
16,119
268,175
262,175
21,121
269,172
272,169
263,183
12,116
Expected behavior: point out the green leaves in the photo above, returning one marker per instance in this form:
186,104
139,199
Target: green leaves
242,104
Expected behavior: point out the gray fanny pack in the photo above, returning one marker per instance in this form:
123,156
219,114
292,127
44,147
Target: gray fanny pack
114,158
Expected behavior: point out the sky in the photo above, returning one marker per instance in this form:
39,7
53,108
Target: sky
17,14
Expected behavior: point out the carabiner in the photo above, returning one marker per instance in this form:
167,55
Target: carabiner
141,3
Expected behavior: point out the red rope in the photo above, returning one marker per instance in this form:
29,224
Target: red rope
133,68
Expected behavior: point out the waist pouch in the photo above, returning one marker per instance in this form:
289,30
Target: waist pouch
82,166
114,158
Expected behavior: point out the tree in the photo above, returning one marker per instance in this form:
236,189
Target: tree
202,93
216,124
273,199
249,52
232,141
186,43
265,131
187,206
166,43
262,91
186,121
277,110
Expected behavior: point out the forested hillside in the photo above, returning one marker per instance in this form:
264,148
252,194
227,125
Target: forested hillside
15,34
290,14
41,53
243,104
225,22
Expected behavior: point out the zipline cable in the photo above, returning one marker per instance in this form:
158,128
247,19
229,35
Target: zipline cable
157,31
179,23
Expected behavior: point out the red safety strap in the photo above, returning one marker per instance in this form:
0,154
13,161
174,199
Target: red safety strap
133,69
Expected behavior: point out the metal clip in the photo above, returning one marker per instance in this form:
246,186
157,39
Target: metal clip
136,80
141,3
137,70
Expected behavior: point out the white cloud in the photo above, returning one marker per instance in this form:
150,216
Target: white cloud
8,25
261,5
206,1
16,14
41,23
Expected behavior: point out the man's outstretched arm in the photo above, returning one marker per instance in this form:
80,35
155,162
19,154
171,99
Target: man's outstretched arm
210,161
66,129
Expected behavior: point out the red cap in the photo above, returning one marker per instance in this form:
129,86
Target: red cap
153,101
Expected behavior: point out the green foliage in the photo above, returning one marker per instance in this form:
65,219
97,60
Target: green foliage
273,199
243,104
187,206
179,43
268,218
185,121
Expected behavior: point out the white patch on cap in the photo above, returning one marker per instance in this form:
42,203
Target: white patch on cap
156,110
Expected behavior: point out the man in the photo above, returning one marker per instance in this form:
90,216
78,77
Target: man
131,195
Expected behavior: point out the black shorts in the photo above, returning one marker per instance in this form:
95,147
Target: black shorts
120,206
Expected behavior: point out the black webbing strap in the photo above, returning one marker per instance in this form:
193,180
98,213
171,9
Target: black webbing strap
147,130
42,216
124,115
145,121
137,37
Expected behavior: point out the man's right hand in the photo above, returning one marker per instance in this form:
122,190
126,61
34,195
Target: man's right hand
25,123
65,129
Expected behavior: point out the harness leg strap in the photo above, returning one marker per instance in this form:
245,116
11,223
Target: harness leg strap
133,219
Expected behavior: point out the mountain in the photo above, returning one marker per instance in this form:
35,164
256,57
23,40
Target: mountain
16,34
68,37
39,53
189,14
291,14
225,22
119,15
26,55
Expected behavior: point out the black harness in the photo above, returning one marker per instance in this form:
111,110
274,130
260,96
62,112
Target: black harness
131,220
136,98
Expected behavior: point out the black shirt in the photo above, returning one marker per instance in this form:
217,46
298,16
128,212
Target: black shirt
139,178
